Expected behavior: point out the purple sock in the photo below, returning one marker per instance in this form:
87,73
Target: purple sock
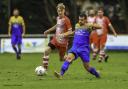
94,72
64,67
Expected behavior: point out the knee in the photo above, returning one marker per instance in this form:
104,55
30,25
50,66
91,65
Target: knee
69,58
63,58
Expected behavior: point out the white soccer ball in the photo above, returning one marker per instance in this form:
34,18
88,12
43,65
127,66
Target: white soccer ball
40,71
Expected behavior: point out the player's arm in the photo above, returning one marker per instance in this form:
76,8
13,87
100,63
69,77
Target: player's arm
68,33
50,30
112,29
96,26
23,25
93,25
9,27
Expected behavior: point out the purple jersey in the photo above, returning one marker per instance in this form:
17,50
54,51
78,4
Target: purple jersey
81,36
80,46
17,24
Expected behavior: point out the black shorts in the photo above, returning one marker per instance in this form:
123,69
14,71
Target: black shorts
52,46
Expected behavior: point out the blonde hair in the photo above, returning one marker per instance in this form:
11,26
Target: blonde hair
61,6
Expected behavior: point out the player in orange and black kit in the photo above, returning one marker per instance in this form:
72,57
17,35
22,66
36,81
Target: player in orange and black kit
60,40
91,19
101,38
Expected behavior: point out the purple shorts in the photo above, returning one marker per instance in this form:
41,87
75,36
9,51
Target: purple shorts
82,52
16,39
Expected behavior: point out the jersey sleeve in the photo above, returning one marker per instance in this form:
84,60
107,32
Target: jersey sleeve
77,26
107,21
67,23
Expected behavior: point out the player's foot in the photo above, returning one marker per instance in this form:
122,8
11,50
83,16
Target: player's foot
106,58
18,56
56,74
98,74
100,60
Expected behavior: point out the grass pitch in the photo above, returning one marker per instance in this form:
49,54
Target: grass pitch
19,74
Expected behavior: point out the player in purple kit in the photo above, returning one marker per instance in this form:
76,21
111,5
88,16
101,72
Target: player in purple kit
80,47
16,30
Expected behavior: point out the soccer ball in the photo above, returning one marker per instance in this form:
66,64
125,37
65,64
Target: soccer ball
40,71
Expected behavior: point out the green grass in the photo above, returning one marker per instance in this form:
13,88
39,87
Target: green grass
19,74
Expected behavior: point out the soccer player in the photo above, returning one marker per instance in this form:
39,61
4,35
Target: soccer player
16,30
80,47
102,35
91,19
60,40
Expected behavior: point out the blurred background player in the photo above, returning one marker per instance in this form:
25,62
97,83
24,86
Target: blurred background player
16,30
91,19
60,40
91,16
102,35
80,47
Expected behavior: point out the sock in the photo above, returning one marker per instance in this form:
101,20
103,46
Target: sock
45,62
64,67
102,54
19,49
15,49
95,53
94,72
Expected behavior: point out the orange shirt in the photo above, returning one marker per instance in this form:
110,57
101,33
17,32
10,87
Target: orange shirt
104,22
63,25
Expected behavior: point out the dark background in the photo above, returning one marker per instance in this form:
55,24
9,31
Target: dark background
39,15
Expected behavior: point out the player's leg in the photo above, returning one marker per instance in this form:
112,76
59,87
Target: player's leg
66,63
14,42
102,54
85,56
19,46
91,40
46,54
95,52
65,66
91,69
95,49
62,51
19,49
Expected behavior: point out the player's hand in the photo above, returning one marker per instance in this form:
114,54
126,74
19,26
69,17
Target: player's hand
46,33
9,34
115,34
61,36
